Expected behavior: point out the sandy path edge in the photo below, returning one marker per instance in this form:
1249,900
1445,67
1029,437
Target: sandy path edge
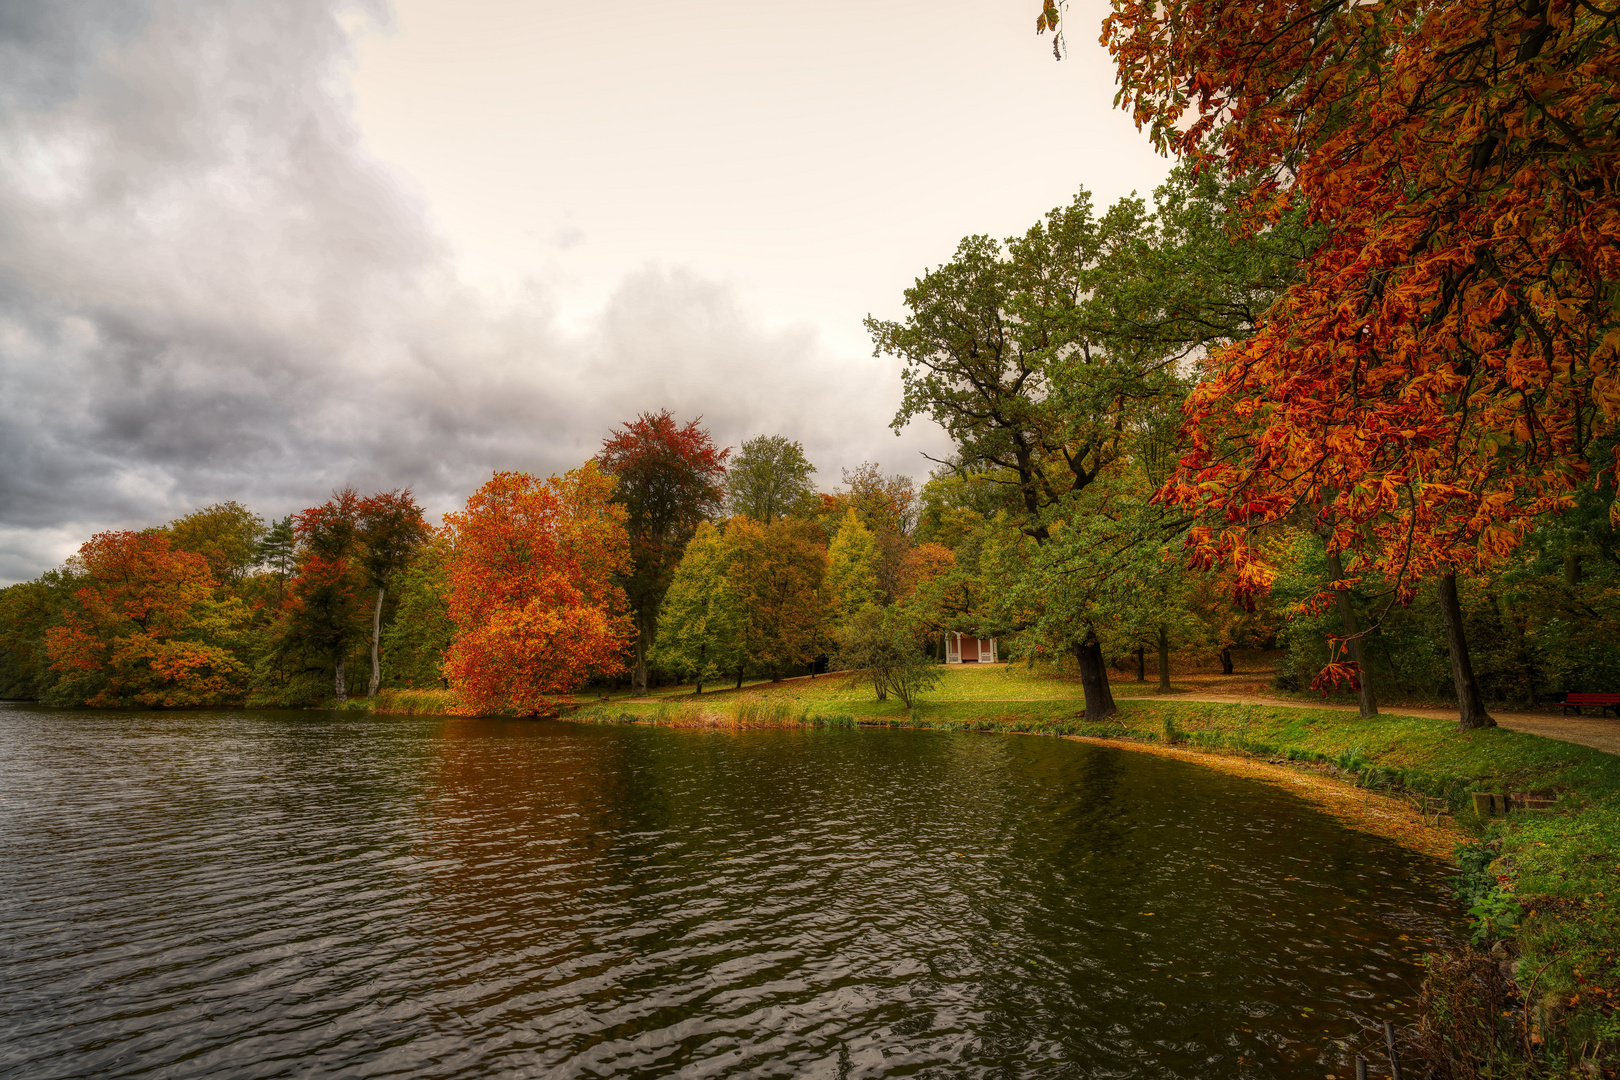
1358,808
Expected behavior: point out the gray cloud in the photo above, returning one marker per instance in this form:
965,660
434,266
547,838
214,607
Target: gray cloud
209,291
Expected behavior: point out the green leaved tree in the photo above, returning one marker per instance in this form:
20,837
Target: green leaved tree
701,622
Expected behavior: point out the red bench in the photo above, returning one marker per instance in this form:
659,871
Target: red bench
1605,701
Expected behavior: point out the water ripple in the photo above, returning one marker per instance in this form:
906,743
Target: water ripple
268,895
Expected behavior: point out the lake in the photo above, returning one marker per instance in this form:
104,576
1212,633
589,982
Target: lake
266,894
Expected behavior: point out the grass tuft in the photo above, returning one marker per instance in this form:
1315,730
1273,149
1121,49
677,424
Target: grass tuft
417,703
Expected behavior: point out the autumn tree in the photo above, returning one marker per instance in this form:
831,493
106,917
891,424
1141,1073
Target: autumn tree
1429,388
778,572
533,590
852,580
700,625
145,628
885,504
769,479
324,613
226,534
924,591
390,529
668,480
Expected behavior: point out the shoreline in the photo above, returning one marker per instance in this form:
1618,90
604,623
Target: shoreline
1353,806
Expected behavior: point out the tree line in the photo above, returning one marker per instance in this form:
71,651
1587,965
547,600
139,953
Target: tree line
1293,401
652,560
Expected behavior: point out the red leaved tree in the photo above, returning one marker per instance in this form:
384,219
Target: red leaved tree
532,590
146,628
669,479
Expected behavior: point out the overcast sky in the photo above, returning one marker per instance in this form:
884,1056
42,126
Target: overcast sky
256,251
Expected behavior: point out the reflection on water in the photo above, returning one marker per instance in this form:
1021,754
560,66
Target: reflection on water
301,894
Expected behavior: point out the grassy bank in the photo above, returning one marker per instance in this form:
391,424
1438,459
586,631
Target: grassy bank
1545,883
416,703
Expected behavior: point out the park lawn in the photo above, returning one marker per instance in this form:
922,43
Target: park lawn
1014,683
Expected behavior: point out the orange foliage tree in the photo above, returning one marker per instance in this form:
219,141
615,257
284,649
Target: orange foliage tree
1433,382
532,593
145,628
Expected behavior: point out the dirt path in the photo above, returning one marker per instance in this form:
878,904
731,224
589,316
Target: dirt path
1598,733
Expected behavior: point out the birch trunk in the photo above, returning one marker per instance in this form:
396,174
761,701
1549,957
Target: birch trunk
376,637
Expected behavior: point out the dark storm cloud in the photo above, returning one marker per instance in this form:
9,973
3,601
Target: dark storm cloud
208,291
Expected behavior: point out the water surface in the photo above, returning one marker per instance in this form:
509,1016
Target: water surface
311,894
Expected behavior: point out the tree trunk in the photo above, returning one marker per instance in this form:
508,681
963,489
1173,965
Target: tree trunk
646,627
1470,707
340,688
739,677
1347,622
1226,660
376,637
1141,664
1164,660
1094,679
1572,566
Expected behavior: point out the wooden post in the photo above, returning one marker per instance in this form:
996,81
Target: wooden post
1394,1057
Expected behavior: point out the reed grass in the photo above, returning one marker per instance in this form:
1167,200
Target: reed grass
737,714
417,703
